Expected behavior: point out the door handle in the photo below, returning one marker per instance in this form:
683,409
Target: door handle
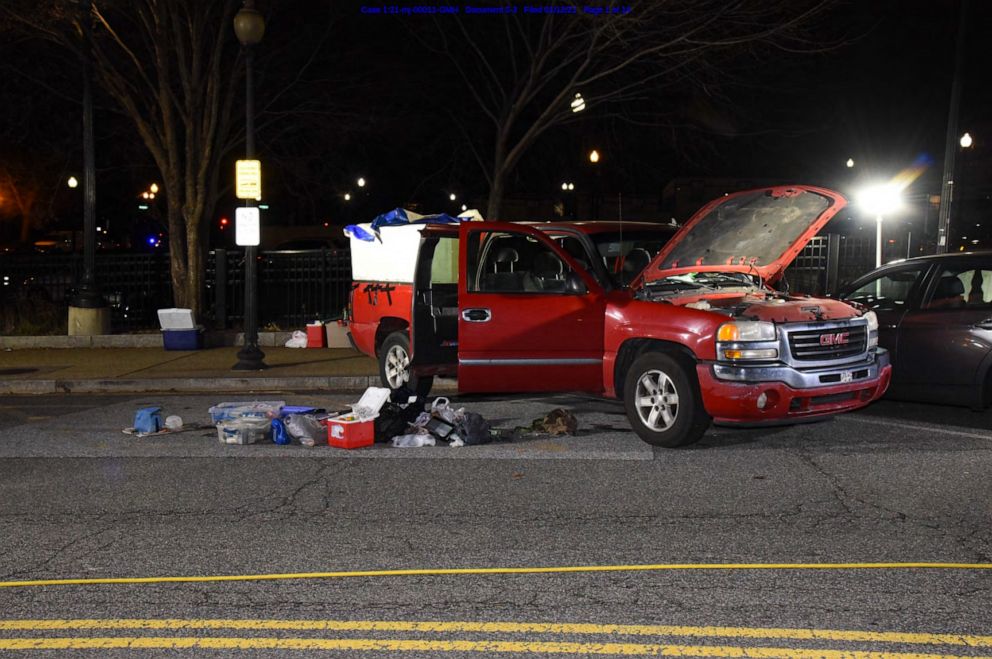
477,315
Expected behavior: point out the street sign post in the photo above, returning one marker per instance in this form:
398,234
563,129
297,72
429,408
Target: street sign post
248,179
246,226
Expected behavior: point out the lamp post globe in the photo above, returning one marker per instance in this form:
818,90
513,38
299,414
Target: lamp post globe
249,27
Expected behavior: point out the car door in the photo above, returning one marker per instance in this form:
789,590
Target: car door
530,318
944,342
890,292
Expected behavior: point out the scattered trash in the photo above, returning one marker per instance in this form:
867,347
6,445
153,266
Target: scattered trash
299,340
147,420
305,429
413,441
473,429
556,422
174,422
279,434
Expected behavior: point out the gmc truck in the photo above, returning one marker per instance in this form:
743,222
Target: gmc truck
699,336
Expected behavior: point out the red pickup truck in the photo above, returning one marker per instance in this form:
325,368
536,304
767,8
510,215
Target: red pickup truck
698,337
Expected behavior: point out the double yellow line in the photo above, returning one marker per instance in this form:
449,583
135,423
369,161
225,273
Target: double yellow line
613,647
499,570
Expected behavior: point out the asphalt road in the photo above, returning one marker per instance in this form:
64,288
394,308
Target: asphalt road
895,484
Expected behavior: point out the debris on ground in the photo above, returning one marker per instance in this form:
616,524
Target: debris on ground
557,422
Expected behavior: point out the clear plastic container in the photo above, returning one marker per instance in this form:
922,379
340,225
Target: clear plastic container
266,409
245,430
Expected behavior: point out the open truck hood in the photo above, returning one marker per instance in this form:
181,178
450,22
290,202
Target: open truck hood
755,232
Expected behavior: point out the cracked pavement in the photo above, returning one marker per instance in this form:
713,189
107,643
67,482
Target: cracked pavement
79,499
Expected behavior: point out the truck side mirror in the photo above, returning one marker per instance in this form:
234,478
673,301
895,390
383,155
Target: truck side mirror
574,285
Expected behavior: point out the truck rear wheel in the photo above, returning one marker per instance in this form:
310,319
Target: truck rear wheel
662,401
394,366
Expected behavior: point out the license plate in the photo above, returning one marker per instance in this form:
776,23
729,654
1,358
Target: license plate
847,376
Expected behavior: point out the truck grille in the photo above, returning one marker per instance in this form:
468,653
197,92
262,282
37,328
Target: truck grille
833,343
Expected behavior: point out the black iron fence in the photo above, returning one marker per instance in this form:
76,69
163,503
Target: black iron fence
296,287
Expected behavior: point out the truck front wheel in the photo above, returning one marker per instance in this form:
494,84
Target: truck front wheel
394,366
662,401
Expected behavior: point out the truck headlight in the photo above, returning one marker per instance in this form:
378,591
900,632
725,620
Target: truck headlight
731,335
872,330
746,330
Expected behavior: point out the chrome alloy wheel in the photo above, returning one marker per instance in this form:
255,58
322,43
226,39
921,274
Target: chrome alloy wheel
397,367
656,400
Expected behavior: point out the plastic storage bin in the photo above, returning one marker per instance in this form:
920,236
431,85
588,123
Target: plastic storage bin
264,409
246,430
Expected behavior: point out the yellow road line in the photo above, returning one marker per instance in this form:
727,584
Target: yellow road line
501,570
219,643
908,638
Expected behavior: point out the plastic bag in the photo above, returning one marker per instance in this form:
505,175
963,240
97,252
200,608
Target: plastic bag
441,409
305,429
413,441
299,340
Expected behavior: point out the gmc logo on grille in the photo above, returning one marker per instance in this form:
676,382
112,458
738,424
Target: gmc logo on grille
838,339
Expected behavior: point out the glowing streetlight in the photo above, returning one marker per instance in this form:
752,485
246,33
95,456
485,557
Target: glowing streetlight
578,103
73,182
966,140
153,188
850,163
452,196
594,156
361,182
347,196
464,207
880,200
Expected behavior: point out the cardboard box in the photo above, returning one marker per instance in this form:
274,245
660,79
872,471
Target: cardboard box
182,339
348,431
337,334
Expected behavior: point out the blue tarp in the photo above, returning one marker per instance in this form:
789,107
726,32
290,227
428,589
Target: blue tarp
395,217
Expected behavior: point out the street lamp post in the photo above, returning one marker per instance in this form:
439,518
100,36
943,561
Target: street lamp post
880,200
88,311
249,26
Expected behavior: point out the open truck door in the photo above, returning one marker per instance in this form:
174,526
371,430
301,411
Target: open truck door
529,317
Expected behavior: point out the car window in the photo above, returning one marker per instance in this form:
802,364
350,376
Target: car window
890,291
516,263
961,287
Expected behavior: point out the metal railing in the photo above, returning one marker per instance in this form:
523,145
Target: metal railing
295,287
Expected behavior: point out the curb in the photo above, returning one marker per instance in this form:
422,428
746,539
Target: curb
199,385
210,340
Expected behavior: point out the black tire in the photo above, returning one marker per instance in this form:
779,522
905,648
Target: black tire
662,400
394,366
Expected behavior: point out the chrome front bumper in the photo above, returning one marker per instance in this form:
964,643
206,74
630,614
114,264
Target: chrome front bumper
851,372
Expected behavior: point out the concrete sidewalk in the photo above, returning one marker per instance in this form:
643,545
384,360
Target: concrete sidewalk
146,369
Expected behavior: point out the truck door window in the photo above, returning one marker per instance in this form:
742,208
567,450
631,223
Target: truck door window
444,267
514,263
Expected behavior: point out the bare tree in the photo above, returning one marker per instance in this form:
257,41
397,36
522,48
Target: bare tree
170,65
523,72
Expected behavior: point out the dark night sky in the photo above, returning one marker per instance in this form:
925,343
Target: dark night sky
881,99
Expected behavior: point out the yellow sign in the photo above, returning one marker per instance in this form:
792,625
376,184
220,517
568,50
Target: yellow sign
248,179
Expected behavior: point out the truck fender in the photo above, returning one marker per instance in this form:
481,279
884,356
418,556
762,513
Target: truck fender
631,349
